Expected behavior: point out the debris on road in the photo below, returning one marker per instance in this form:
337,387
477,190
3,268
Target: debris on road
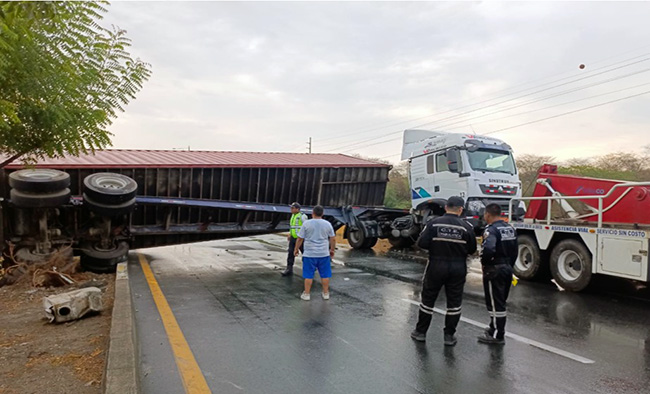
72,305
50,278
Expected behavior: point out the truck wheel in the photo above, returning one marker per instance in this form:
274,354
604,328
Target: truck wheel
39,200
102,261
39,180
571,265
529,259
370,243
109,188
110,210
357,239
401,242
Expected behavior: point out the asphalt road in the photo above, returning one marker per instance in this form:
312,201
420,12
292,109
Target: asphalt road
246,330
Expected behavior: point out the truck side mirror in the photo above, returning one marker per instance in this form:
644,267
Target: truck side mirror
452,160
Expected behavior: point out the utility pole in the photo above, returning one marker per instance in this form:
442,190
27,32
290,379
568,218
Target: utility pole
309,145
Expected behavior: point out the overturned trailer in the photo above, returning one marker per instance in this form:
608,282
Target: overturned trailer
117,199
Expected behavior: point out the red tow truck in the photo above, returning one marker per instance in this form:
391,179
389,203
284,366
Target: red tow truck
578,227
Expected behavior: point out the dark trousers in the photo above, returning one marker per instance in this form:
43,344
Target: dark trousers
451,275
496,284
290,256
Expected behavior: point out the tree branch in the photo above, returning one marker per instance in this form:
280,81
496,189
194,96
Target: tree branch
10,160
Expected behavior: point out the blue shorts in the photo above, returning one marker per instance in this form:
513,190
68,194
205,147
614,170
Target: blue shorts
311,264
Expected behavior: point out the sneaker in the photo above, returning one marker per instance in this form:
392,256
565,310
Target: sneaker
450,340
418,336
304,296
326,296
490,340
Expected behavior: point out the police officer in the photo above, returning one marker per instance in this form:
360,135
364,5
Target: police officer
297,219
449,240
498,256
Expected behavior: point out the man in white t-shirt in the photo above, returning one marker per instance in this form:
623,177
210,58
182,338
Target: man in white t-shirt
319,240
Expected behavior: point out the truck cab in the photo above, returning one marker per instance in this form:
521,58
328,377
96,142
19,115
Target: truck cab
479,169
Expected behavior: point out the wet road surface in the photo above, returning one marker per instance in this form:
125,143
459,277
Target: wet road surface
248,331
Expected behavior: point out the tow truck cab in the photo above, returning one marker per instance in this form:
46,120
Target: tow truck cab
480,169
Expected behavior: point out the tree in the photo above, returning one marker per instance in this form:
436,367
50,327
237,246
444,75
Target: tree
528,166
398,190
63,78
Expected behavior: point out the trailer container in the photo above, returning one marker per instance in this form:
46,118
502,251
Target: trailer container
252,177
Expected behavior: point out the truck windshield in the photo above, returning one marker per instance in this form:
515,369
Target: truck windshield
491,161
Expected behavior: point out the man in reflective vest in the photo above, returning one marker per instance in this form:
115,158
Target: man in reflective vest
297,220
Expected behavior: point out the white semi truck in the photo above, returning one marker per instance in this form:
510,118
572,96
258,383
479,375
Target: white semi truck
477,168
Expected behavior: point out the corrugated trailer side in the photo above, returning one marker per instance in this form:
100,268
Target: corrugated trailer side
330,180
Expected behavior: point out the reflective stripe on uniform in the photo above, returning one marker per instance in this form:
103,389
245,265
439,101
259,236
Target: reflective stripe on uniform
458,241
296,224
453,311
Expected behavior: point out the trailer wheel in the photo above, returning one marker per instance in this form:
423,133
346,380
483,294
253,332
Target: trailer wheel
39,200
39,180
110,210
571,265
529,259
110,188
100,260
401,242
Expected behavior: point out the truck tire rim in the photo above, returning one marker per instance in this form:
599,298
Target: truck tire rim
40,174
354,236
109,182
570,265
524,258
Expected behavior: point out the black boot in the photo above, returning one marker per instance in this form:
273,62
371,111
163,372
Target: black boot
288,271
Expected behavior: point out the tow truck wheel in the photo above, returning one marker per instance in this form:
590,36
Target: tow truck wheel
571,265
39,180
401,242
96,259
529,259
110,188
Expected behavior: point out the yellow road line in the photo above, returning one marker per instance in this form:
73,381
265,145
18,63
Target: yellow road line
193,379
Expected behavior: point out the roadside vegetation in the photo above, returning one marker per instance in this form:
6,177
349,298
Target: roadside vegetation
63,79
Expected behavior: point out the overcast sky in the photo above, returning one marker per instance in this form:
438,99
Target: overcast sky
267,76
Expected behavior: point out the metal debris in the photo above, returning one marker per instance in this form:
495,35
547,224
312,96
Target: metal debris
72,305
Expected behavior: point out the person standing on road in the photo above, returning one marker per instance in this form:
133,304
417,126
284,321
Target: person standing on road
319,241
449,240
296,222
498,256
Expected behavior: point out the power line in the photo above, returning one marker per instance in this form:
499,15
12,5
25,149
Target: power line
515,98
543,119
363,131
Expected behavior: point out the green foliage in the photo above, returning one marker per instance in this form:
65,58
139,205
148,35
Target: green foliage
593,171
63,78
398,191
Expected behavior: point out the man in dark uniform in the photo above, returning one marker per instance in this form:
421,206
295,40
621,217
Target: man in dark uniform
498,256
449,240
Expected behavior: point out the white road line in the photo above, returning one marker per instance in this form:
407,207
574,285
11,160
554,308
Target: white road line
519,338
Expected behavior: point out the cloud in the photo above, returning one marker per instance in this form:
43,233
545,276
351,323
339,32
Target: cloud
267,76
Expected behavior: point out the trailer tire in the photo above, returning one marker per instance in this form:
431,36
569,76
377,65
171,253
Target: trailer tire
103,261
110,188
571,265
529,258
110,210
39,200
39,180
401,242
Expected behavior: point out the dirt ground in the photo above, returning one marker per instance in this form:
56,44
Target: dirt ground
41,357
